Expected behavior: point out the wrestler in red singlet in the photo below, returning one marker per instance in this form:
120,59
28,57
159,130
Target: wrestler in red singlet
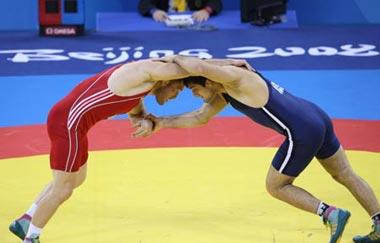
70,119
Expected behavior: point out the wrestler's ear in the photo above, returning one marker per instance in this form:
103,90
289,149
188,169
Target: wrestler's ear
208,83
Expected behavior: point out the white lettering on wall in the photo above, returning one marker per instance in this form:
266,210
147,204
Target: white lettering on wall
112,55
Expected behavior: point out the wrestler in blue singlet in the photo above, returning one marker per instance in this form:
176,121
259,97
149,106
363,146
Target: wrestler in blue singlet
308,129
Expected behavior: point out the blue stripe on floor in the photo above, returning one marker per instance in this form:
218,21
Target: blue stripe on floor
349,94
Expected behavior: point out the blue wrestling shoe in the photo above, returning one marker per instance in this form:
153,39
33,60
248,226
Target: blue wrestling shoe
373,237
336,221
20,226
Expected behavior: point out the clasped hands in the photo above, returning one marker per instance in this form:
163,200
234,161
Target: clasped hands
146,126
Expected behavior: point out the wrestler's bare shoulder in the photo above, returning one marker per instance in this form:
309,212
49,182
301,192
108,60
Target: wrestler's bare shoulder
138,64
130,79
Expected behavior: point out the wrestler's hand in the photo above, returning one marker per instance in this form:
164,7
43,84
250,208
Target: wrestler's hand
242,63
167,59
157,122
229,61
144,128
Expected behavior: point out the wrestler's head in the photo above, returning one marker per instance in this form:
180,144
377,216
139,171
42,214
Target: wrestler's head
202,87
167,90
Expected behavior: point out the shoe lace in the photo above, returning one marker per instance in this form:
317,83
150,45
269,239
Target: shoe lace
331,224
375,233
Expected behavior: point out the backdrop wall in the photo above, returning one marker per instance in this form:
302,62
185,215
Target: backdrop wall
22,14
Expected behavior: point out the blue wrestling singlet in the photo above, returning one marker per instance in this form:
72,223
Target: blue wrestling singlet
308,129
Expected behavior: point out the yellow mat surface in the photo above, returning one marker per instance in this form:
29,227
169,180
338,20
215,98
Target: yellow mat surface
181,195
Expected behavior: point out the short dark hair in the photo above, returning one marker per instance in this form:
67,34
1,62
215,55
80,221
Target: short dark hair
195,80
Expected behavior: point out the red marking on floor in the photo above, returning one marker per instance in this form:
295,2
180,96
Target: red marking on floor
219,132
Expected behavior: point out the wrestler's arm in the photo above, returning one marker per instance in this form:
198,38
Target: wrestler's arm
151,71
221,62
234,62
195,118
190,119
162,71
138,117
137,113
217,73
138,74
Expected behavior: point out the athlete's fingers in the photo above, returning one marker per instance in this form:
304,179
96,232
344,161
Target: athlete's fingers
137,133
144,128
146,133
136,125
141,133
143,123
243,63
